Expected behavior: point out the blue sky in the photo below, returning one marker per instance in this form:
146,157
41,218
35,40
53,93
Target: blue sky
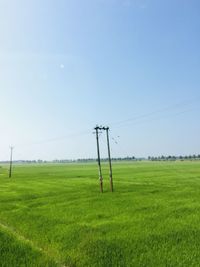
66,66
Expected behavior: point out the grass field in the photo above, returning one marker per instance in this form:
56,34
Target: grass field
54,215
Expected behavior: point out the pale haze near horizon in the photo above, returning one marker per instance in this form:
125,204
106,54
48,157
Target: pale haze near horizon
66,66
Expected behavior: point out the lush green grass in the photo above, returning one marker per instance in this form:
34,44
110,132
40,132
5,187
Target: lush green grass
54,215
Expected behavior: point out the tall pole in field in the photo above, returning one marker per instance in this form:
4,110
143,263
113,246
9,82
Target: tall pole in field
98,159
109,158
11,155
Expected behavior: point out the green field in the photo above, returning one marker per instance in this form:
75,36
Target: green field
54,215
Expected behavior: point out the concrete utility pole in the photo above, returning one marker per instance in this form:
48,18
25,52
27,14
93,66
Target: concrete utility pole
109,158
11,155
97,128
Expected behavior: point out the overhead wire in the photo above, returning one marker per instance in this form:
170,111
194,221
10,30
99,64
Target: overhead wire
158,118
146,115
50,140
133,121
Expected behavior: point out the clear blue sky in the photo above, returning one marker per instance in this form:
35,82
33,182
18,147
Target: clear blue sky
67,65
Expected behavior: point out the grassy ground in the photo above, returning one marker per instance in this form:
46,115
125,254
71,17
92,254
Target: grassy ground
54,215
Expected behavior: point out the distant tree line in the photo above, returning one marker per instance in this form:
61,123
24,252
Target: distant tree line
94,159
70,160
173,158
128,158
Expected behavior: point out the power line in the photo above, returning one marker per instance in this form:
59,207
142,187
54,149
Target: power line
140,120
134,120
146,115
50,140
158,118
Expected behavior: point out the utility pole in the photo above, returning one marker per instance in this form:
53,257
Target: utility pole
109,158
11,155
97,128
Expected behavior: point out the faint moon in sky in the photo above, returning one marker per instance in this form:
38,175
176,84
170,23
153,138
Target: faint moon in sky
62,66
